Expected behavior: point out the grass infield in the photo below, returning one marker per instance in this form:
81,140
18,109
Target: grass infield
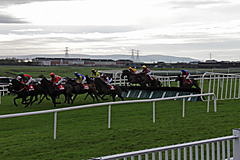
84,133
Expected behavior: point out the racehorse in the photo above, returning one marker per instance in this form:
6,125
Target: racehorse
141,78
77,89
189,85
53,92
39,90
132,78
104,89
21,91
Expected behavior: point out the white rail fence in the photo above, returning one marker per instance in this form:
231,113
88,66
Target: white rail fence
2,90
55,111
216,149
225,86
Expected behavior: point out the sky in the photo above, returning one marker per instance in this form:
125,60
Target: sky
184,28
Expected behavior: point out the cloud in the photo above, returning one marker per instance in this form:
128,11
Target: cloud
13,2
10,19
194,4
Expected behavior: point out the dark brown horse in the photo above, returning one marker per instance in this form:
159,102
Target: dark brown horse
189,85
22,92
104,89
82,89
53,92
141,79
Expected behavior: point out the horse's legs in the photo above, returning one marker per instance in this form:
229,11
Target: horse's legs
92,96
113,97
41,98
74,98
36,98
102,97
120,96
54,100
96,96
14,100
86,96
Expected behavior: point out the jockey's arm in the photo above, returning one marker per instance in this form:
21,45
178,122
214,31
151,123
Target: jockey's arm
29,81
60,81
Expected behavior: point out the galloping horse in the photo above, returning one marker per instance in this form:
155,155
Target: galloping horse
22,92
141,79
189,85
104,90
77,89
39,90
53,93
132,78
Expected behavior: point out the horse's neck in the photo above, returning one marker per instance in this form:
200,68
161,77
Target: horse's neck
18,85
129,74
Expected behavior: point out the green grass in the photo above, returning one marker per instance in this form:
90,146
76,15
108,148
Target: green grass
35,71
84,133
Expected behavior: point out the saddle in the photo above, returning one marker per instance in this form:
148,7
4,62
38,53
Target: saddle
188,81
85,86
59,87
29,88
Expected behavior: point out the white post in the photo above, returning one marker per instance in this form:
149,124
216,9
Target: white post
236,144
215,103
153,111
55,125
109,116
208,103
183,106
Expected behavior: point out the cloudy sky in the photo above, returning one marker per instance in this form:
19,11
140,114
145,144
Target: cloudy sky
186,28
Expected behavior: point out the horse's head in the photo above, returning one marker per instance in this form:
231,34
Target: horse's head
71,81
124,72
16,84
89,80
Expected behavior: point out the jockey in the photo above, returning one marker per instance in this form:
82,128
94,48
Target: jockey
107,79
185,76
95,74
25,79
56,79
132,70
80,78
146,71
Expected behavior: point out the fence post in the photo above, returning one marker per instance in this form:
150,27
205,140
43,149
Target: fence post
109,116
55,125
183,107
236,144
153,111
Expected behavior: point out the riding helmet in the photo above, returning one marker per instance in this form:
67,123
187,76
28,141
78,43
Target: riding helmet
143,66
52,74
75,73
21,74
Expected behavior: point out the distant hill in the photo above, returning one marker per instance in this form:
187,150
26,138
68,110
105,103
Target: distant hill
148,58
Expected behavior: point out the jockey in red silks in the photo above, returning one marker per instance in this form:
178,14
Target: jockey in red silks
56,80
185,76
146,71
26,80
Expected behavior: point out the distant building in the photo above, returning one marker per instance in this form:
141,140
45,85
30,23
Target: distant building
81,62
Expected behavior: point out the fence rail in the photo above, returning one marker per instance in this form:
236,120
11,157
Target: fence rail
55,111
209,149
